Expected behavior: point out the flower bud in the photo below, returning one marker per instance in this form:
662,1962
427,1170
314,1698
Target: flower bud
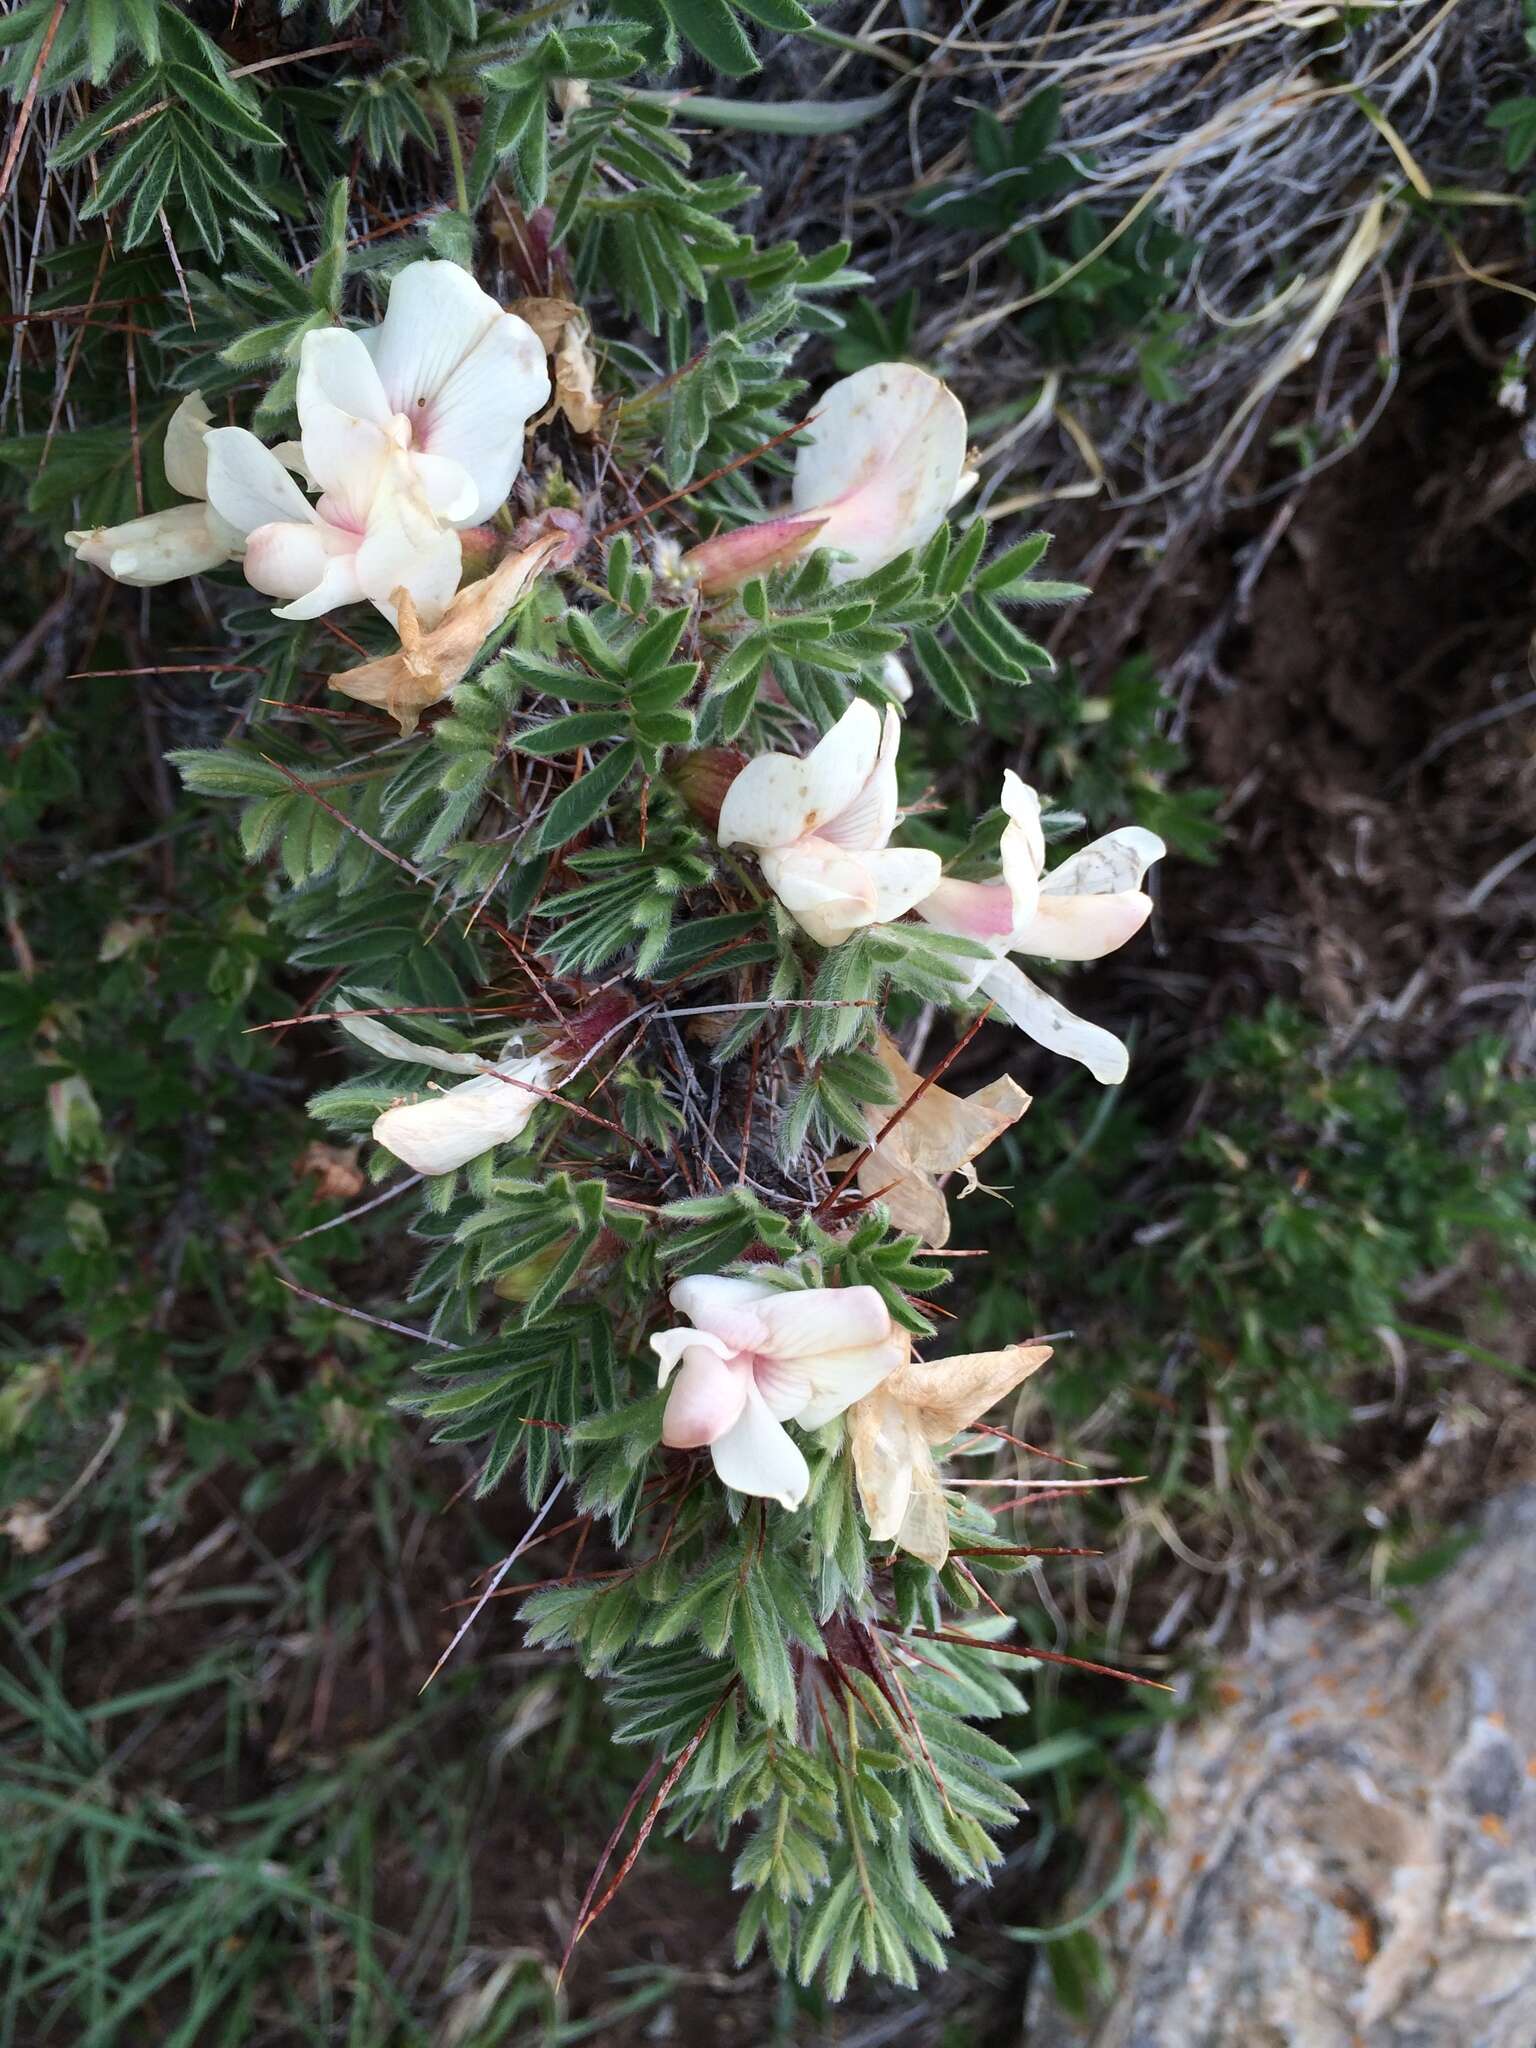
591,1025
727,560
702,776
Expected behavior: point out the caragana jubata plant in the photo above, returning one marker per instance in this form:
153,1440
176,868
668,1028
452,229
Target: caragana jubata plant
594,849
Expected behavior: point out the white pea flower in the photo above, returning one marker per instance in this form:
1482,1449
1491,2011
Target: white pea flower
409,431
1089,906
448,377
188,539
879,466
371,534
820,828
758,1356
448,1127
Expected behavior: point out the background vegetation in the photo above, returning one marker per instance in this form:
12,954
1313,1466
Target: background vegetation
1294,1251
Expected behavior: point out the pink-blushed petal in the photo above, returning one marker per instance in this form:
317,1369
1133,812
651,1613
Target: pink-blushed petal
839,1378
870,819
903,876
248,486
1110,866
705,1299
829,893
706,1400
757,1456
186,458
1050,1024
313,567
155,549
804,1322
881,461
467,375
1081,927
288,558
406,548
669,1346
971,910
727,560
345,421
778,798
784,1388
1023,845
447,1130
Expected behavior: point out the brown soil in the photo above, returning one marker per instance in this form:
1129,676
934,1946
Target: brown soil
1367,706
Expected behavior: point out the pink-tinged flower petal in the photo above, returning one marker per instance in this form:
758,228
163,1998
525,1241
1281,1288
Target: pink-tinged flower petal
903,876
155,549
839,1378
406,548
467,375
881,461
706,1400
313,567
1106,867
870,819
777,798
804,1322
248,486
186,458
829,893
971,910
1081,927
727,560
1050,1024
757,1456
669,1346
723,1307
713,1299
447,1130
347,424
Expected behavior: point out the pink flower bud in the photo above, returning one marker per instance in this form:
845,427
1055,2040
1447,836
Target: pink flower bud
730,559
702,776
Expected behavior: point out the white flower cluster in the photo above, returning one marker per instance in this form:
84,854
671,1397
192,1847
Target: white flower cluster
409,432
412,431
